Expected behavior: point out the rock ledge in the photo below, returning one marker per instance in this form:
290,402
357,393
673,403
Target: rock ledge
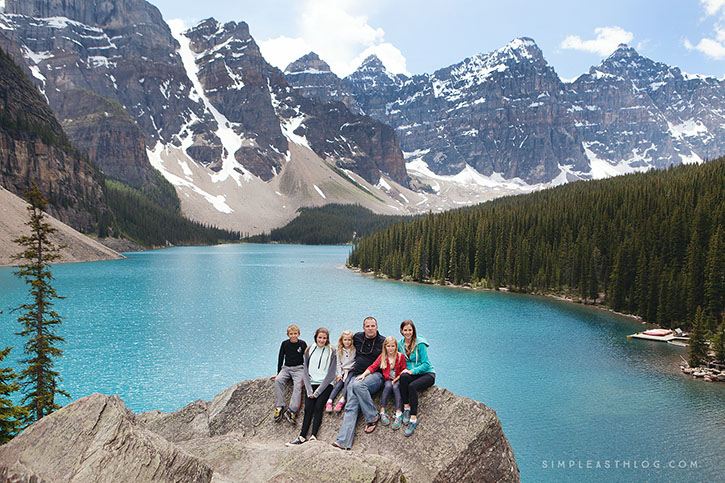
233,438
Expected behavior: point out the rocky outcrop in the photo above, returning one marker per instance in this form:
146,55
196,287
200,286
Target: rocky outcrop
233,438
103,130
311,76
34,148
96,439
119,49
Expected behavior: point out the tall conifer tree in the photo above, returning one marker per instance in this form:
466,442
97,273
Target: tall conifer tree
38,379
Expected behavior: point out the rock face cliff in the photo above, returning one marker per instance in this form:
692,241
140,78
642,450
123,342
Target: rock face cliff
206,92
507,112
311,76
34,148
233,438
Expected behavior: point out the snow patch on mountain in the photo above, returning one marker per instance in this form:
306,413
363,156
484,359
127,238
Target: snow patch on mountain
319,191
230,140
156,156
468,176
601,168
688,128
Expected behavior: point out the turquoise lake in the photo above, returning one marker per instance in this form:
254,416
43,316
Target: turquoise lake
577,399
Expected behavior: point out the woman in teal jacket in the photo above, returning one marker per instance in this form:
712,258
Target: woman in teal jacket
418,376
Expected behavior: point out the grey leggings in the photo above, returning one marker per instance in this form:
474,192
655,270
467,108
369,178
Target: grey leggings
341,384
395,389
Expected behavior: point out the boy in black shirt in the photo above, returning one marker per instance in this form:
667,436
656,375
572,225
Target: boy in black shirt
289,366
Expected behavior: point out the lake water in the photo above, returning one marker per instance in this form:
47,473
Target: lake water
577,399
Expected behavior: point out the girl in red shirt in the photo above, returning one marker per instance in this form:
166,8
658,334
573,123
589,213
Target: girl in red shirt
391,363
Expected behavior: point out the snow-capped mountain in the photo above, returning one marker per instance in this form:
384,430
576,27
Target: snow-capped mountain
215,118
635,113
507,115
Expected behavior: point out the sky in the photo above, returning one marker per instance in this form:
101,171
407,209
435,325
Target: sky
422,36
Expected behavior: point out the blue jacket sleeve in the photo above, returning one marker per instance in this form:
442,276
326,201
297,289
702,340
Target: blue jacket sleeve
423,363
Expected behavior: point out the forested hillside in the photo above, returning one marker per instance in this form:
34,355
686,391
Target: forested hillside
137,216
650,244
328,225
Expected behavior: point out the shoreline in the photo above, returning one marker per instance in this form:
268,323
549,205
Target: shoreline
561,298
505,290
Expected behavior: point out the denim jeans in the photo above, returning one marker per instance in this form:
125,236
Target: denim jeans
359,397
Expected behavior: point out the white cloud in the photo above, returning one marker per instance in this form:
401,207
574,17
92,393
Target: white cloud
607,41
713,48
712,6
339,32
282,50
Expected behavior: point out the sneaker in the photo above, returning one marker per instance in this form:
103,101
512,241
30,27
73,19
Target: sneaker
406,416
290,416
312,438
340,404
411,427
296,442
384,419
396,422
328,407
277,415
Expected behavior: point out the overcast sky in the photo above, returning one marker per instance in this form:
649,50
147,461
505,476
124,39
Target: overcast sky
417,36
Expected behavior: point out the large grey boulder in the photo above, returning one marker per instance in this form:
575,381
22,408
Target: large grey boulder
235,437
96,439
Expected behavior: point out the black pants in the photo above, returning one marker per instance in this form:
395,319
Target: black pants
314,407
409,387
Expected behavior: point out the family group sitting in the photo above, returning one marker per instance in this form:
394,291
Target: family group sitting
359,366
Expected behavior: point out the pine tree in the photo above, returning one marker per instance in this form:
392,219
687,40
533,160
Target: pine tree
718,342
698,348
11,416
38,380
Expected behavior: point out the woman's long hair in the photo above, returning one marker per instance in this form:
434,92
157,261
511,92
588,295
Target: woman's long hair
414,339
317,332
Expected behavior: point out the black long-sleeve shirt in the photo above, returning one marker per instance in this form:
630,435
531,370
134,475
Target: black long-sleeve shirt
366,350
290,353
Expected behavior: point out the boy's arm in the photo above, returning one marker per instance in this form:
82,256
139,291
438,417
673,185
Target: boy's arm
280,358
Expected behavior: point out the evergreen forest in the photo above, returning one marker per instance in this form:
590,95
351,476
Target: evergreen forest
153,219
329,225
650,244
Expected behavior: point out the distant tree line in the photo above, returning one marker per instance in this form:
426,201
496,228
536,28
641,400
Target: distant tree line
133,215
650,244
329,225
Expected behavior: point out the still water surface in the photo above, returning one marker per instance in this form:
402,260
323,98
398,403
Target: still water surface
577,399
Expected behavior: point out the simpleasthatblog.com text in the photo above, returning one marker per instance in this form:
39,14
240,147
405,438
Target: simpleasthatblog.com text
619,464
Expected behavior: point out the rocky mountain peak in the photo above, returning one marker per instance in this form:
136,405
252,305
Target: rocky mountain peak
627,63
309,63
372,63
